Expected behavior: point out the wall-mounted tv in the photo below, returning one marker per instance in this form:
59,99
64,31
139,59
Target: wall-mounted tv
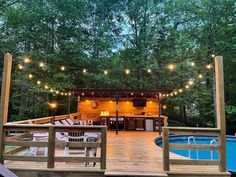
139,102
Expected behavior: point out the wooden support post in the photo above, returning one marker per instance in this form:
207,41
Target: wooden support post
103,147
159,113
117,112
68,104
220,111
51,147
6,79
165,149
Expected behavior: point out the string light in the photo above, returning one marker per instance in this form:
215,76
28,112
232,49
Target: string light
180,90
171,94
190,82
186,86
20,67
200,76
132,93
149,71
105,72
164,106
163,95
57,92
127,71
46,87
41,64
209,66
65,94
84,70
62,93
167,95
69,94
176,93
82,94
142,94
192,64
63,68
27,60
213,55
38,82
30,76
51,90
171,67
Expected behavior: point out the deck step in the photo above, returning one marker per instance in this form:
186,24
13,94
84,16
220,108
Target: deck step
134,174
198,174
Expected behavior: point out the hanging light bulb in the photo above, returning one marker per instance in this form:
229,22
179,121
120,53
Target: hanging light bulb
163,95
176,93
30,76
142,94
65,94
69,94
127,71
186,86
105,72
213,55
167,95
132,93
84,70
209,66
190,82
41,64
46,87
180,90
164,106
63,68
27,60
62,93
38,82
200,76
149,71
20,67
171,94
192,64
171,67
82,94
51,90
57,92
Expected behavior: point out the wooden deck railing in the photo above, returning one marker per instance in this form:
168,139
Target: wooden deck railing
45,119
167,161
24,140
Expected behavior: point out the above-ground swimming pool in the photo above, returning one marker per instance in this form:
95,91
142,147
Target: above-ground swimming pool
203,154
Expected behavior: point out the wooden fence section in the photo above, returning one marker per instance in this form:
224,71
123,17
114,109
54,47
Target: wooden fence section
190,131
46,119
24,140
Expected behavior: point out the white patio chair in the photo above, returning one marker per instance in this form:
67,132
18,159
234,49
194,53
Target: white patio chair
70,121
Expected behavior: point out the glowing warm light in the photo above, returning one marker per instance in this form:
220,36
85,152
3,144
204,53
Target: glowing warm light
87,101
53,105
150,101
213,55
105,72
69,94
209,66
38,82
171,67
30,76
27,60
149,70
84,70
82,94
180,90
51,90
163,95
127,101
92,93
167,95
132,93
142,94
62,93
127,71
190,82
186,86
41,64
192,64
46,87
63,68
171,94
20,67
57,92
65,94
175,93
164,107
110,101
200,76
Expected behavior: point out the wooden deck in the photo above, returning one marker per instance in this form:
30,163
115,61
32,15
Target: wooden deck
127,153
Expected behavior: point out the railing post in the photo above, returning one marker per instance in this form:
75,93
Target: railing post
103,147
51,147
220,111
165,148
5,91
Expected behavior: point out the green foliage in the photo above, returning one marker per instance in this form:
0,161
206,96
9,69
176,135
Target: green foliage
115,35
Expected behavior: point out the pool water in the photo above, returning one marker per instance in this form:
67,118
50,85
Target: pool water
204,154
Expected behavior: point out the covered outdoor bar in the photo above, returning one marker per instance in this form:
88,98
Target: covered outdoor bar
122,109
